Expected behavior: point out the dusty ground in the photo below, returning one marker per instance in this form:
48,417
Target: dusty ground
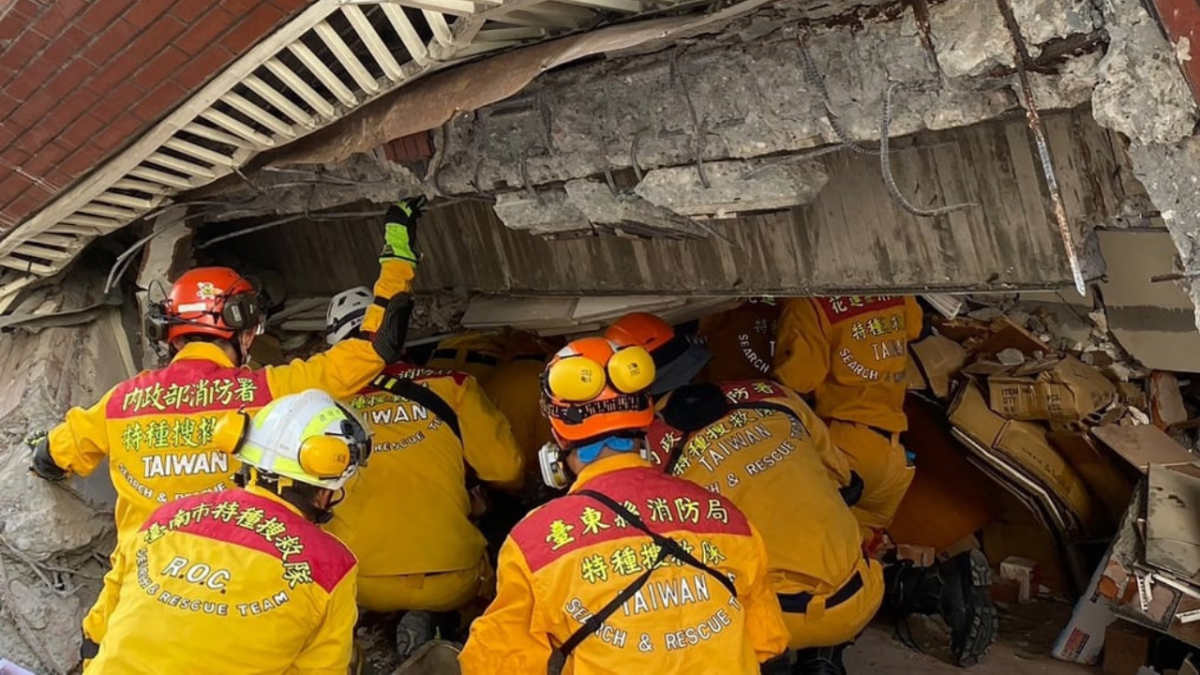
1026,635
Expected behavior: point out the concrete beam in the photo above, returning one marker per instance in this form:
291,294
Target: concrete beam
731,188
747,93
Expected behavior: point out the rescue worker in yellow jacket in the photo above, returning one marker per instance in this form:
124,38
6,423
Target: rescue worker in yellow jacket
243,581
633,571
157,429
429,425
760,445
851,353
476,353
741,340
515,389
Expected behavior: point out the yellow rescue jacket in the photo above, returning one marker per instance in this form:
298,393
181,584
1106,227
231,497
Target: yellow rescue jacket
231,582
407,511
515,387
157,428
851,352
769,453
741,340
571,557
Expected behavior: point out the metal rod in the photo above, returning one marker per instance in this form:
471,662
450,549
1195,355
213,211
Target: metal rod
1039,136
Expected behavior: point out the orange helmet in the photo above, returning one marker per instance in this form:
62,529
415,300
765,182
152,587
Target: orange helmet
678,359
593,388
209,301
640,328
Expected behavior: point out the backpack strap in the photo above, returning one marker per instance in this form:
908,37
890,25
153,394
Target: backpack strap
666,546
408,389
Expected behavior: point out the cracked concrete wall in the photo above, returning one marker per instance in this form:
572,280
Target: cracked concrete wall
752,97
747,92
1142,94
744,94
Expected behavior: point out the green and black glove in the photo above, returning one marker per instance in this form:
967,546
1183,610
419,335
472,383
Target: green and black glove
43,465
400,235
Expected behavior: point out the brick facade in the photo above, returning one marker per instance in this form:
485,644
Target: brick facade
79,79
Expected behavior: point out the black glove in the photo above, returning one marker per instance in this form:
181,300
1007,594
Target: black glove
400,233
43,464
393,331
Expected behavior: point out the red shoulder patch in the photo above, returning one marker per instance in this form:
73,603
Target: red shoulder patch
844,308
189,387
245,519
665,504
417,373
662,438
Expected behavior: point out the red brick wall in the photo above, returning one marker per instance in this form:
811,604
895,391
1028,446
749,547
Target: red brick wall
81,78
412,148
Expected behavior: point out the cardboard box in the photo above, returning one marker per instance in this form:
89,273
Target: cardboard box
1068,392
1126,648
1025,445
1098,469
939,359
1082,640
1024,572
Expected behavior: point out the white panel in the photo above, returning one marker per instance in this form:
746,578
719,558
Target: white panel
344,54
118,199
408,35
180,165
34,251
293,81
138,185
104,211
280,101
323,73
199,152
379,51
163,177
205,131
238,127
247,108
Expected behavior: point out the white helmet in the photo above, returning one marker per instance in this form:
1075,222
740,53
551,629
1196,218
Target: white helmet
346,312
307,437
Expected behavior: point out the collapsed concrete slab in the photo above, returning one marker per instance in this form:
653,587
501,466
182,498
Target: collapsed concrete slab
46,529
733,187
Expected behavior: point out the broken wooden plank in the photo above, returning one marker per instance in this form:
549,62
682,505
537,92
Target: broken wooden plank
1142,446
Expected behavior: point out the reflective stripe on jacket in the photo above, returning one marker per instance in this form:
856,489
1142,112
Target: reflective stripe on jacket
236,582
573,556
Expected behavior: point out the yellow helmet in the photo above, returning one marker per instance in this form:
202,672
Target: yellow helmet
307,437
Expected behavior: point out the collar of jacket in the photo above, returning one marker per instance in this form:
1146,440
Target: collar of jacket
267,494
203,351
608,465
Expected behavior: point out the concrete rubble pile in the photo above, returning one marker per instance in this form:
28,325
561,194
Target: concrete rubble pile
54,539
1042,400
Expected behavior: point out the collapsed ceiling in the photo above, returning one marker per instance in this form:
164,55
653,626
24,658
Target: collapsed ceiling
707,128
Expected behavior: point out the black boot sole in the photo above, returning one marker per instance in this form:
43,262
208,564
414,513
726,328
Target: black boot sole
985,623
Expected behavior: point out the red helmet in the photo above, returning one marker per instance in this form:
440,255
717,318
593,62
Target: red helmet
212,301
592,388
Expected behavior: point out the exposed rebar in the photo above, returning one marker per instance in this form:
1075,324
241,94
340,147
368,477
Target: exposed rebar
1039,137
818,82
698,137
885,165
